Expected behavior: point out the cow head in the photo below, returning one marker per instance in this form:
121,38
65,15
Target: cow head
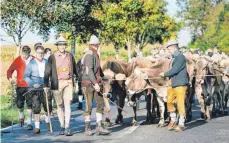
135,83
201,70
107,83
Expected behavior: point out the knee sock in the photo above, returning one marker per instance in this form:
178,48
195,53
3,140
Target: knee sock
46,118
99,117
21,113
37,120
181,120
87,118
29,119
173,116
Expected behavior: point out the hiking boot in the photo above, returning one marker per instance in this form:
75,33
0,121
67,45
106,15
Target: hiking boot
171,125
48,126
29,127
100,130
68,132
36,131
88,131
179,128
21,122
61,131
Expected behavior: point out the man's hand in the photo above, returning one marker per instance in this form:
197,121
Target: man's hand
107,95
36,85
97,87
162,74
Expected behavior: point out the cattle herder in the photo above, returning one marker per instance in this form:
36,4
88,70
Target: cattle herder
91,80
177,91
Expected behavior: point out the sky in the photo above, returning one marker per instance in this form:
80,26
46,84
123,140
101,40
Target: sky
184,36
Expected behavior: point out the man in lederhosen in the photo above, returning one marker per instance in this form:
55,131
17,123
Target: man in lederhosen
91,80
34,76
19,65
61,68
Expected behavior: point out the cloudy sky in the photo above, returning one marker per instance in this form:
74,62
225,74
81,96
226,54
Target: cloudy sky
30,38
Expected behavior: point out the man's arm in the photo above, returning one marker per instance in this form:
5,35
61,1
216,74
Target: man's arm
75,70
101,72
48,70
88,63
11,69
27,75
178,66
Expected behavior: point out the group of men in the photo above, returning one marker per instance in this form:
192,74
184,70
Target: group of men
53,75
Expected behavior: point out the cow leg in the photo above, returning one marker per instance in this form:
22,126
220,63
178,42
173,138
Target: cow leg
134,121
107,111
154,105
188,105
162,111
226,94
201,100
214,106
149,118
220,101
121,102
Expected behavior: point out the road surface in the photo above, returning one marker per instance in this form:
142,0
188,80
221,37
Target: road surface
197,131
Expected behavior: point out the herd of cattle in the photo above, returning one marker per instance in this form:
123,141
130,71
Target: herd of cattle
127,82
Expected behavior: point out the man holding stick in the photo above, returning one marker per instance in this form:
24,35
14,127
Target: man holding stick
61,68
34,76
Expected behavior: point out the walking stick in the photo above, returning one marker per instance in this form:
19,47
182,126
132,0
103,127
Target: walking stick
46,96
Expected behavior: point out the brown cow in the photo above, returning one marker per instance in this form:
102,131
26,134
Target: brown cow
136,83
117,87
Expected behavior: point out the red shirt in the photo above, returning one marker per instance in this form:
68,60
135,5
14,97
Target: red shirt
19,65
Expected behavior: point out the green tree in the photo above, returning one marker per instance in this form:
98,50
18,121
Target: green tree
18,17
130,22
73,17
215,23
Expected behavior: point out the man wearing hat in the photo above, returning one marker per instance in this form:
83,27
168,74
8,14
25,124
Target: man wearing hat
61,68
91,78
177,91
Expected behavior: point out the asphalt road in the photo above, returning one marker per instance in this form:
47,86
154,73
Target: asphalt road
197,131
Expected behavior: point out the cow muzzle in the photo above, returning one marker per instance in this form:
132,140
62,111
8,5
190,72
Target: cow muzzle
200,81
131,104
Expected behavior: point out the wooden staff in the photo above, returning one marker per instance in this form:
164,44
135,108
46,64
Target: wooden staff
46,97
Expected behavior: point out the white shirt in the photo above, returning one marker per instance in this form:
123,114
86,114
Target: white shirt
41,67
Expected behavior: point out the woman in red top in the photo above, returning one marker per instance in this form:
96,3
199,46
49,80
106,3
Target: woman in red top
19,65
